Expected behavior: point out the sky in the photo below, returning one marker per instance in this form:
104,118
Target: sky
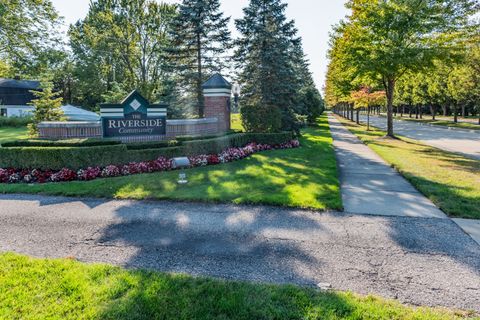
313,19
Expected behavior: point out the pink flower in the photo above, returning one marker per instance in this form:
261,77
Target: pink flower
4,175
89,173
199,161
111,171
63,175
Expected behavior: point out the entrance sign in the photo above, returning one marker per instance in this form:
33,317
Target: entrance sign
133,117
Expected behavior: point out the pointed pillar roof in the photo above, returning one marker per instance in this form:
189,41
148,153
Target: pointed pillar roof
217,81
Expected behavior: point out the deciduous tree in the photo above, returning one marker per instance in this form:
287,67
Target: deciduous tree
122,42
28,29
388,38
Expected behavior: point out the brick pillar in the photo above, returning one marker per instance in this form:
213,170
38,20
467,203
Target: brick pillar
217,93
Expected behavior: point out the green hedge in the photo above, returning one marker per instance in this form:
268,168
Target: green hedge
152,145
271,138
213,136
90,142
15,121
55,157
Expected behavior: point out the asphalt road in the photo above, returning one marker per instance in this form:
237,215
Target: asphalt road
460,141
425,261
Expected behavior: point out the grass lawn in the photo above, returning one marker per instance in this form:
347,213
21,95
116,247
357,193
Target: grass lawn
12,133
237,122
304,177
449,180
65,289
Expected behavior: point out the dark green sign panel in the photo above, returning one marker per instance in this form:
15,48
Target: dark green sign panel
133,117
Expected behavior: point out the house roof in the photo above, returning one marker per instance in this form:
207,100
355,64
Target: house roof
217,82
17,92
19,84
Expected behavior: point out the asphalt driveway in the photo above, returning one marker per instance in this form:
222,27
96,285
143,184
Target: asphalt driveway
425,261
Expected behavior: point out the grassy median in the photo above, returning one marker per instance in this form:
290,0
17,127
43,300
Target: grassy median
449,180
65,289
305,177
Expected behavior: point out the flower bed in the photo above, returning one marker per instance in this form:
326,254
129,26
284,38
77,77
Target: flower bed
161,164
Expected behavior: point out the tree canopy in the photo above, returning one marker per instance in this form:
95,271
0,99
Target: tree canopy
27,36
166,52
383,40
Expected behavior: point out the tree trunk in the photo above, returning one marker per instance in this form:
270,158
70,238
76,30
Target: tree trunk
358,116
368,118
409,111
200,100
433,111
421,112
463,111
455,115
390,89
444,109
351,112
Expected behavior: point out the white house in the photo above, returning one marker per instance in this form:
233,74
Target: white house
15,96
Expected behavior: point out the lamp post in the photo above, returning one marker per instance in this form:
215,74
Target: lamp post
236,93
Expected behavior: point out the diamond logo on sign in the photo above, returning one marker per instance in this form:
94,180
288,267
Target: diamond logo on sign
135,104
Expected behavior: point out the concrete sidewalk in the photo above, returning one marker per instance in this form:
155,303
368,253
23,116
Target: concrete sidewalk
371,186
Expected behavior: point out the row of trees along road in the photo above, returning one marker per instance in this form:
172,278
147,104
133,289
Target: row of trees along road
166,52
392,45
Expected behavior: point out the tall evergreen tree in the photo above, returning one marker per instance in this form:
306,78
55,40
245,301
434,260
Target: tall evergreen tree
201,40
266,57
308,100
